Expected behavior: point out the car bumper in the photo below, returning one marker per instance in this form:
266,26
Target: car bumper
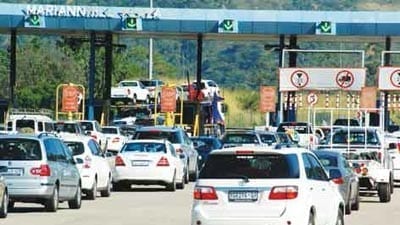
114,146
143,175
87,182
396,174
44,191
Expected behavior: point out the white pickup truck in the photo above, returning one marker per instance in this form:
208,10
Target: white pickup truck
365,149
130,91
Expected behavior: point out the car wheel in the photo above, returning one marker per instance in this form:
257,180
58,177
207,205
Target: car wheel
11,205
107,191
172,186
195,174
134,100
181,185
4,205
51,205
311,219
356,205
92,194
187,175
384,192
77,201
340,218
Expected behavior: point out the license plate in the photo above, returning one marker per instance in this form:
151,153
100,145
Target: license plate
243,196
13,172
140,163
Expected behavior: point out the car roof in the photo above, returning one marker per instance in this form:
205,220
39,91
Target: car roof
327,152
76,137
158,128
116,127
260,150
341,129
162,141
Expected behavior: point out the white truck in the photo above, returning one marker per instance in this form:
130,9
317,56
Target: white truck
365,149
130,92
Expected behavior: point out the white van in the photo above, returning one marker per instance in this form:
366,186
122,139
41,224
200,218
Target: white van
29,124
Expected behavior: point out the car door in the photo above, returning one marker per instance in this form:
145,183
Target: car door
320,188
100,163
65,174
193,155
350,178
71,171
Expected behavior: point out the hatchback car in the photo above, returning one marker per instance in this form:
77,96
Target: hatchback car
181,142
256,185
40,169
93,166
148,162
339,169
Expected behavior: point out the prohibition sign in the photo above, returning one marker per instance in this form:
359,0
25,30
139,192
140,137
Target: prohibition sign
344,79
299,78
395,78
312,99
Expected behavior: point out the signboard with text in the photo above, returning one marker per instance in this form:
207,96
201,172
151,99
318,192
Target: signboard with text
168,99
267,99
70,99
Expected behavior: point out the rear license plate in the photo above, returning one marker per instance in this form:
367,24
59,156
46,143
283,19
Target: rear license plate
140,163
13,172
242,196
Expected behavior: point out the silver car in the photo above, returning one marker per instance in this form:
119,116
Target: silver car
40,169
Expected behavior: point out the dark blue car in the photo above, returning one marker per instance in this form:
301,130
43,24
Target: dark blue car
204,145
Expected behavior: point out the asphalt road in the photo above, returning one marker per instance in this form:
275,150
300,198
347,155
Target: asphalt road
153,206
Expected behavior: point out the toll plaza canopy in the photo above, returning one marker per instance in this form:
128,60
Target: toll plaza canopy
172,21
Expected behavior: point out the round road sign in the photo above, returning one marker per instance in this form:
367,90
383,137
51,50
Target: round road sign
312,99
395,78
299,78
344,79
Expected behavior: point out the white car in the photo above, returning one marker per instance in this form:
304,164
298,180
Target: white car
209,88
93,167
393,145
148,162
256,185
115,139
94,129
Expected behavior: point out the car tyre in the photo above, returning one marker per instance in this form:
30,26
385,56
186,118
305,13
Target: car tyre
172,186
77,201
311,219
348,204
107,191
11,205
356,205
181,185
187,175
195,174
51,204
340,218
384,192
92,194
4,205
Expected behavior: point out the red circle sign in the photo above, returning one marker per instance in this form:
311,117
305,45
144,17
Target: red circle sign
299,78
395,78
344,79
312,99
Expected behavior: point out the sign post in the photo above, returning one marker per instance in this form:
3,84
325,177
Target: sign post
72,100
267,101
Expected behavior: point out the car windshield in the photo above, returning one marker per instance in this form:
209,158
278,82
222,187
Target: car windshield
258,166
173,137
327,159
267,138
240,138
301,128
77,148
148,147
20,149
66,127
87,125
110,130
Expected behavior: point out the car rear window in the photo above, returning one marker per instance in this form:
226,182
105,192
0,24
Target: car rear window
173,137
267,138
258,166
87,125
109,130
301,128
344,137
20,149
77,148
144,147
66,127
240,138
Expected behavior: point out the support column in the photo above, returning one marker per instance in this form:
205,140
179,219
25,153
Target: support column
388,43
291,112
92,72
108,64
279,114
13,65
198,78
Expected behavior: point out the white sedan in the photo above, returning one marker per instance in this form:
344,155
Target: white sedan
148,162
256,185
93,167
115,139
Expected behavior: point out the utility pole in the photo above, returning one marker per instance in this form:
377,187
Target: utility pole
151,50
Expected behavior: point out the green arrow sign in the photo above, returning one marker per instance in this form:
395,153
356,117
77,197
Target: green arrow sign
227,25
131,23
325,27
34,20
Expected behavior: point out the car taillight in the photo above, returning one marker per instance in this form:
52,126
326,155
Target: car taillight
119,161
205,193
379,155
338,180
115,140
87,162
283,192
43,170
163,162
94,136
244,152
